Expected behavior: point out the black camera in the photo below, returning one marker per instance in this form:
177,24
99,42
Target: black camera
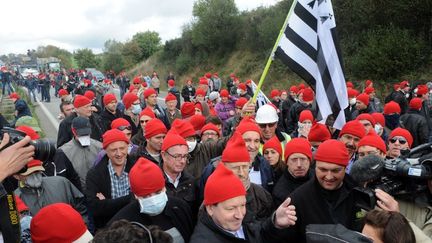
45,149
400,178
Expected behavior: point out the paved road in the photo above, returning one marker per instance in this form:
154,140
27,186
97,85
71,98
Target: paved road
48,112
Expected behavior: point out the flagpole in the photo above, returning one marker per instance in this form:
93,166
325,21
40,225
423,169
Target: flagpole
271,57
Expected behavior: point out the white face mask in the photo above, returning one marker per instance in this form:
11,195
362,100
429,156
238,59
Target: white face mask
84,140
352,101
136,109
378,128
407,95
153,205
239,91
191,145
34,180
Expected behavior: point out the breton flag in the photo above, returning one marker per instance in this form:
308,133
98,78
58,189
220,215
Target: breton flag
309,47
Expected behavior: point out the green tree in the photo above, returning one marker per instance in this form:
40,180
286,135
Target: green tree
54,51
85,58
112,56
216,25
131,54
149,42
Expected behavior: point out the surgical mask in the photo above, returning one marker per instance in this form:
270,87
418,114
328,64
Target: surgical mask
377,128
352,101
407,95
191,145
136,109
84,140
153,205
239,91
34,180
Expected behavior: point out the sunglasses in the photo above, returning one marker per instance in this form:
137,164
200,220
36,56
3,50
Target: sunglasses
144,121
401,140
270,125
122,128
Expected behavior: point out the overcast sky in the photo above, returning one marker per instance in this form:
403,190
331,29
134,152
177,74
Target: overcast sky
75,24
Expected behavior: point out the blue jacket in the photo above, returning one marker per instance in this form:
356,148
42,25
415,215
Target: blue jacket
22,108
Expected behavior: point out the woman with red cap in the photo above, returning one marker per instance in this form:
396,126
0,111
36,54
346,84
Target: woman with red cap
272,152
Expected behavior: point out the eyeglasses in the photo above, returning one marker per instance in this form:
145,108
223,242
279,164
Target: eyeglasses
401,140
122,128
269,125
179,157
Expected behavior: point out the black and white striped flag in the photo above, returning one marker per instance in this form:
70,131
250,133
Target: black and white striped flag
309,47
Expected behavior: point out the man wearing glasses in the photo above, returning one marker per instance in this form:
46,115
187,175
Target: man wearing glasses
399,139
371,144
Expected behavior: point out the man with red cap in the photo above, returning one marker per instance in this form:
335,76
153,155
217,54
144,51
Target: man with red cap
391,114
298,158
400,96
210,132
306,102
132,108
317,135
352,100
362,105
414,121
306,119
242,91
423,93
372,144
107,184
217,82
172,108
153,206
399,139
350,135
151,101
112,112
275,97
172,89
223,218
367,121
374,101
327,198
155,82
225,108
154,134
144,117
21,107
82,106
287,104
123,82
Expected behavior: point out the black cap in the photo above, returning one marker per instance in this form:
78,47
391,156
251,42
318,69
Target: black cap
81,125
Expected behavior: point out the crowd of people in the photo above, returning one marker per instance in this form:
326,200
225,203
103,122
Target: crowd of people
211,166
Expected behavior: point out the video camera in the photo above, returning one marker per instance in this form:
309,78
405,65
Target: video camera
45,149
404,177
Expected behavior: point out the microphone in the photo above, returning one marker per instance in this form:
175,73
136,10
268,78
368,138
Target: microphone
368,168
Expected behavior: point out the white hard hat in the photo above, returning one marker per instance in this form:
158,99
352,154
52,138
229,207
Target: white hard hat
266,114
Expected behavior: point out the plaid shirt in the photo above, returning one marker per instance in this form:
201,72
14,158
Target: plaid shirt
119,184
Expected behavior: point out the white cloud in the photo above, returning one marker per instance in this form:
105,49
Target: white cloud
78,24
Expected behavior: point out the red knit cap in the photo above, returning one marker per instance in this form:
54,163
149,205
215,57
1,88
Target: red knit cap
333,151
119,122
172,139
184,128
275,144
308,94
241,102
350,85
145,178
422,89
187,109
113,135
301,86
154,127
200,92
132,88
373,140
203,81
366,116
147,112
391,107
208,75
364,98
197,121
108,98
87,81
148,92
352,93
70,228
62,92
247,124
171,82
298,145
242,86
306,115
396,86
404,84
170,97
29,132
144,84
293,89
222,185
80,101
235,150
89,94
369,90
128,99
319,133
403,133
212,127
198,106
354,128
415,103
224,93
21,206
379,118
368,82
136,80
274,93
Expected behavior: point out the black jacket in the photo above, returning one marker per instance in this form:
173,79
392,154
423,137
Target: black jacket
315,205
294,115
185,190
187,92
107,117
176,214
98,180
286,185
417,125
64,134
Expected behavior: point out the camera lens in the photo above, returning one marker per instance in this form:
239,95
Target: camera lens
45,149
